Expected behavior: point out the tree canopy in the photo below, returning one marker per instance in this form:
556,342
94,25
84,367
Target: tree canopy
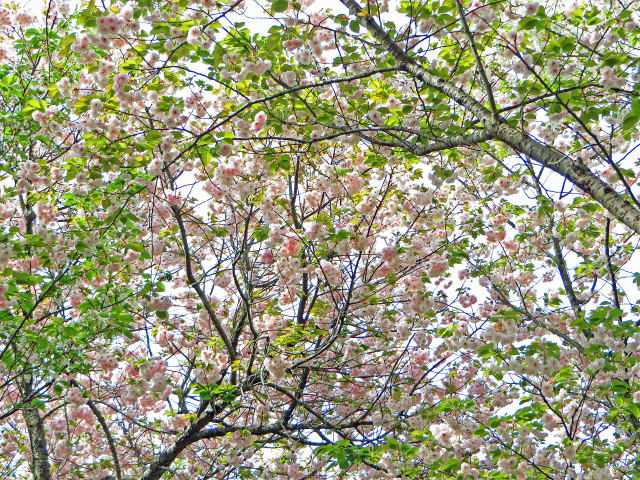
284,240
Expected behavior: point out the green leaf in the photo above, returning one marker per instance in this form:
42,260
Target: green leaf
37,104
634,409
619,386
261,233
630,121
529,23
614,313
494,422
23,278
280,5
562,374
567,44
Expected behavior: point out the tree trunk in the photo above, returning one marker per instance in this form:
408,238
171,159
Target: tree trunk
40,466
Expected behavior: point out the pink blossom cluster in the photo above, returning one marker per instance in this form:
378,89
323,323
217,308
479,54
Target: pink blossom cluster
609,79
353,183
24,18
225,149
303,56
443,433
277,366
259,68
4,303
328,271
531,9
82,44
107,362
62,449
376,117
215,190
482,15
158,303
77,413
198,102
109,25
28,171
194,36
207,375
259,121
226,172
6,17
120,81
293,44
290,247
322,42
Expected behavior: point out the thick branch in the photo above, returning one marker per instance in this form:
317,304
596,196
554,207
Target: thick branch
573,170
453,141
161,464
612,272
40,466
277,428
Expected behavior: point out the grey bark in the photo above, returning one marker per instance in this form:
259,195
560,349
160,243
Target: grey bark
40,466
163,461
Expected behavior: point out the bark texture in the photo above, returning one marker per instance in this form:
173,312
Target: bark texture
40,466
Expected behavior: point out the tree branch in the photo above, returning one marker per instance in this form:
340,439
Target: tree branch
573,170
107,433
474,49
195,284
